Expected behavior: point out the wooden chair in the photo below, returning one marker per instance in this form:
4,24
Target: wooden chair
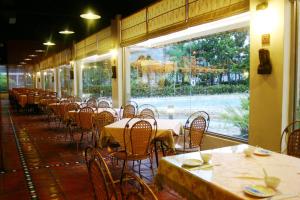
290,139
193,135
148,110
71,99
137,140
103,184
62,111
85,121
134,188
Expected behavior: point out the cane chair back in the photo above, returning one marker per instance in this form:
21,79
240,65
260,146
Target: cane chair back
102,119
196,132
77,99
194,115
148,111
290,139
92,102
100,176
71,99
128,110
104,104
70,107
85,118
137,138
62,108
134,188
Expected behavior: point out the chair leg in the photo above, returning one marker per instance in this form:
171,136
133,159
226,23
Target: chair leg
162,148
151,166
140,162
122,171
156,154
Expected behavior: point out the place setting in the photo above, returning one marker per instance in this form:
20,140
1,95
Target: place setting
199,164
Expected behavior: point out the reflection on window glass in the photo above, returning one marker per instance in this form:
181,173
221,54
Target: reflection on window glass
16,77
96,79
49,80
209,73
66,81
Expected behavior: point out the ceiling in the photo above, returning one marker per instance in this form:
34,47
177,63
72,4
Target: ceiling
25,25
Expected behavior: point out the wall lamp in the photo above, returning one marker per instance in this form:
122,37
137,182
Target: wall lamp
262,6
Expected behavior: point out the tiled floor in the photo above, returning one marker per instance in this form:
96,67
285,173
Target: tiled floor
55,167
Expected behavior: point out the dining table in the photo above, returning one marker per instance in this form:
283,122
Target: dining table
230,174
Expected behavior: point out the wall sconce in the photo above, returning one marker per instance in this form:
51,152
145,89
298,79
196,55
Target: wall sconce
114,71
262,6
265,66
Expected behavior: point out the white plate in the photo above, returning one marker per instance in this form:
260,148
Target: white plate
192,162
259,191
262,152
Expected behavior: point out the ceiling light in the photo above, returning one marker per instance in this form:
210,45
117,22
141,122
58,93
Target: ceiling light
66,32
27,59
49,43
90,15
19,65
23,63
32,55
40,51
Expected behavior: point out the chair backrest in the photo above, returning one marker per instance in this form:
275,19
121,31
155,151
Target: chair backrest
290,139
104,104
148,110
100,176
30,98
134,188
128,110
194,115
72,106
196,132
77,99
102,119
71,99
92,102
62,107
85,117
137,137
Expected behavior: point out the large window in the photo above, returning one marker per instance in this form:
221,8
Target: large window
96,79
16,77
49,80
209,73
66,75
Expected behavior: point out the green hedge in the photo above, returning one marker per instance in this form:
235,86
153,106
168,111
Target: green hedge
144,90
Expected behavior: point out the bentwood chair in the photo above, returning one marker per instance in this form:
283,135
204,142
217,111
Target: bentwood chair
71,99
62,110
290,139
193,135
99,121
137,136
85,121
103,184
148,110
134,188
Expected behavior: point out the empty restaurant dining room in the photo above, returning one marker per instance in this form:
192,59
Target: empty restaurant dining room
150,99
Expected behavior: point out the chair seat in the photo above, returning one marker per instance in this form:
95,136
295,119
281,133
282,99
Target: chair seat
122,156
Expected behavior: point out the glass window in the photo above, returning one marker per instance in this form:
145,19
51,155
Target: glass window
297,88
16,77
3,78
49,80
66,80
207,73
96,79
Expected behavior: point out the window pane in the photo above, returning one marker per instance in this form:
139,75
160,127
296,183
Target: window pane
3,78
208,73
96,79
66,80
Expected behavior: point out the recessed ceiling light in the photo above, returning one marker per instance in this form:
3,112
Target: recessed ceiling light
27,59
32,55
23,63
40,51
90,15
49,43
66,32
